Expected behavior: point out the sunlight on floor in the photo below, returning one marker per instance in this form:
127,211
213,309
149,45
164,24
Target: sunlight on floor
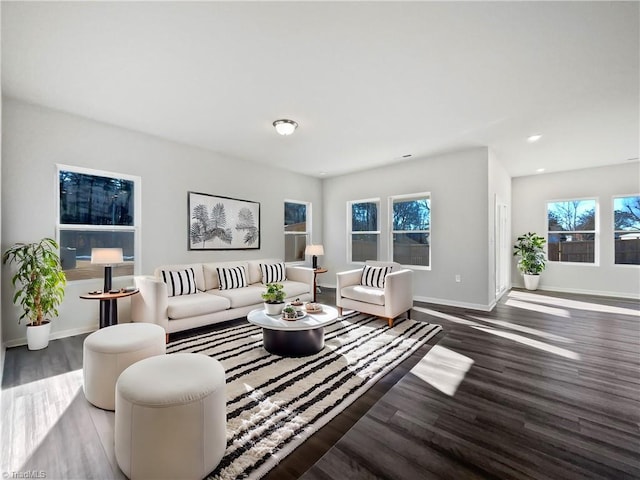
523,329
575,304
558,312
31,411
443,369
511,336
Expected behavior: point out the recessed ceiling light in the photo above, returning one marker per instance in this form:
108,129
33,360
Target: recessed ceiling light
407,155
285,126
534,138
540,170
322,174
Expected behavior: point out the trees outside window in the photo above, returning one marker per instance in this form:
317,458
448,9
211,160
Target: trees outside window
572,231
364,232
297,229
626,217
411,229
96,209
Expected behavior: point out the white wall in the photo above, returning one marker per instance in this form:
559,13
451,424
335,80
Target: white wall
36,138
499,192
530,195
459,216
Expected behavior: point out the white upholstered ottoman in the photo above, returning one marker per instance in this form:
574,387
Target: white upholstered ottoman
171,417
108,351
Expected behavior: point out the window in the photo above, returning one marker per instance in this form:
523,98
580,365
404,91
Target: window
411,221
297,229
364,232
96,210
571,231
626,230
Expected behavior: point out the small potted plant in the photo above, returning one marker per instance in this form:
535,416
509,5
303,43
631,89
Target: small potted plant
39,282
530,249
289,313
274,298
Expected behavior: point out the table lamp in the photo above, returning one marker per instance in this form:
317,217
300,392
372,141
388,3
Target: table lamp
106,257
314,250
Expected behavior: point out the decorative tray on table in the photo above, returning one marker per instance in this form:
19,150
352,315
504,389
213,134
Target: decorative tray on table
313,308
299,315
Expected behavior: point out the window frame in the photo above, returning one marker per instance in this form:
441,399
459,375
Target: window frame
595,231
413,196
351,232
614,231
137,215
308,229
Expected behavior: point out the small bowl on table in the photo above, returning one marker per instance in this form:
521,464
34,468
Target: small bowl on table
313,307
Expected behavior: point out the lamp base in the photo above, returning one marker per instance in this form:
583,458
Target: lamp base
107,279
314,262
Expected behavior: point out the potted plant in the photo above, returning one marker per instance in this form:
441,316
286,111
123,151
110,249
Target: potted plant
39,282
274,298
529,248
289,313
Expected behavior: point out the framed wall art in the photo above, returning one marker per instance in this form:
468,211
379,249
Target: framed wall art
222,223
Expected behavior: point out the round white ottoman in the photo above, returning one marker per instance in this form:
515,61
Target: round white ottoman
171,418
108,351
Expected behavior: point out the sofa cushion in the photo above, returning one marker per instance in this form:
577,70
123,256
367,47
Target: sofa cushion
229,278
362,293
197,304
272,272
197,269
294,289
241,297
254,274
182,282
374,276
210,273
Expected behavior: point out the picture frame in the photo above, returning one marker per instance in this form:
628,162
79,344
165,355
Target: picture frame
222,223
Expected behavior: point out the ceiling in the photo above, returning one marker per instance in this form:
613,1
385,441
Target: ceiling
368,83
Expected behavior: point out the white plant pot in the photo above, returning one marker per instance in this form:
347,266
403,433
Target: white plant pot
273,308
531,281
38,336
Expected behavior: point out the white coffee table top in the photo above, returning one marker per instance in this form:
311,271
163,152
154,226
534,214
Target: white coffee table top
275,322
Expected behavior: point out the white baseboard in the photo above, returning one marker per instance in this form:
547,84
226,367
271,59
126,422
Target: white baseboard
454,303
17,342
585,292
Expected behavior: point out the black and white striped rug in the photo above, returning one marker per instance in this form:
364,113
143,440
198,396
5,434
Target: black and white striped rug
275,403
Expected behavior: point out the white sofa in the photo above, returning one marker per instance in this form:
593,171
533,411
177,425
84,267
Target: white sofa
210,304
394,299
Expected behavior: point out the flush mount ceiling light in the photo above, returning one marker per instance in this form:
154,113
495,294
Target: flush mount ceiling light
534,138
285,127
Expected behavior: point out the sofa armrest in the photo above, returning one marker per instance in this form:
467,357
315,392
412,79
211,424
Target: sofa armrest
398,292
300,274
348,278
151,304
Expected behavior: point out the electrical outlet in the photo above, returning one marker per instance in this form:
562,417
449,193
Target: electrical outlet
458,279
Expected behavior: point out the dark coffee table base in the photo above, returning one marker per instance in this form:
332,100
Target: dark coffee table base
293,343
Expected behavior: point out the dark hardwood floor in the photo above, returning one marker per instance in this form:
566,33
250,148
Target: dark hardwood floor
548,386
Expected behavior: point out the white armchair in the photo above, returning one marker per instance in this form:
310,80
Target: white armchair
394,299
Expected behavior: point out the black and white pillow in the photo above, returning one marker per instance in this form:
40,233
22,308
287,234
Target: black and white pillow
182,282
272,272
374,276
229,278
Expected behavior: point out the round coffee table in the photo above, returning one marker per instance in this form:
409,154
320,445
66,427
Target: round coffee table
293,338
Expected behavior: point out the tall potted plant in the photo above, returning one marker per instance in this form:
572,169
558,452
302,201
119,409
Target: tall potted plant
530,249
274,298
39,282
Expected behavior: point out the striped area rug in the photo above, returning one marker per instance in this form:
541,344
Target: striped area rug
275,403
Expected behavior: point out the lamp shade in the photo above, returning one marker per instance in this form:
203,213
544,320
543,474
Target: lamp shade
106,256
314,250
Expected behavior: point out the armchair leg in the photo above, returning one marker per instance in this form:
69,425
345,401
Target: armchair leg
390,320
340,311
166,339
409,314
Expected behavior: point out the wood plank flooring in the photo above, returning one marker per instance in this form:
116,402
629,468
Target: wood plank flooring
552,391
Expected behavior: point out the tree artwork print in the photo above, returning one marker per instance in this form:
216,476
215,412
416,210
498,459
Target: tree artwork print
222,223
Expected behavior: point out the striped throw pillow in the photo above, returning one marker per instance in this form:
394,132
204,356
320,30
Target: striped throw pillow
272,272
374,276
229,278
181,282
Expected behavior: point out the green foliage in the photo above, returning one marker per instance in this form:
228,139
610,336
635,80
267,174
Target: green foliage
39,279
529,248
274,293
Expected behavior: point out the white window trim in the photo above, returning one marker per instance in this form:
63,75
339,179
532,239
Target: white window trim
419,195
614,231
137,206
596,232
350,232
308,232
